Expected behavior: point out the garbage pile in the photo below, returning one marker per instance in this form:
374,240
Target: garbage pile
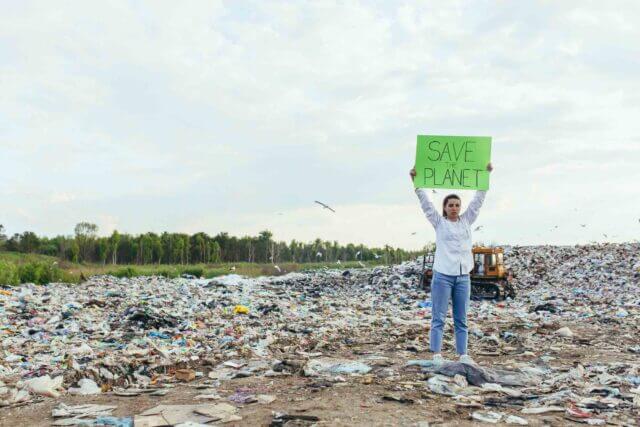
568,344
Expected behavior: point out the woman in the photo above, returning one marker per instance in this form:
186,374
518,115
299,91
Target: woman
452,264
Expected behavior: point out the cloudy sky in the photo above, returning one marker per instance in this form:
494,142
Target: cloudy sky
236,115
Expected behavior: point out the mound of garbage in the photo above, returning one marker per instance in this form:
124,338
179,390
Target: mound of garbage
141,335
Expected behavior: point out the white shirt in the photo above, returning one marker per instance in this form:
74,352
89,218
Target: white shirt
453,238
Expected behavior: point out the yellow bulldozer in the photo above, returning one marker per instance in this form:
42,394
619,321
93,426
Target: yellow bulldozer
489,277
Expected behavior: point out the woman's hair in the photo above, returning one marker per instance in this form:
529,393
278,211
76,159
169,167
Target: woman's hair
446,199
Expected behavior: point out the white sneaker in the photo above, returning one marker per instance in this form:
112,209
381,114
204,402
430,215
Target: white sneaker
438,359
465,358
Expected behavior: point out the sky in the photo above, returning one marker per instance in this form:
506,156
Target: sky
237,115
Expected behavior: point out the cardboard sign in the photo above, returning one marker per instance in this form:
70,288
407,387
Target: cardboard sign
456,162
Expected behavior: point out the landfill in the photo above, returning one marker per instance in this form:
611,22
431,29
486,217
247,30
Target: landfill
564,351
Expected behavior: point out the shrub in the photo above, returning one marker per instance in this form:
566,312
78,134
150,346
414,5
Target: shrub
28,273
39,273
215,272
8,274
68,277
126,272
48,273
169,274
194,271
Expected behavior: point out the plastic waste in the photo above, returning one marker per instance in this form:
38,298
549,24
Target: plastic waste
240,309
133,333
514,419
114,421
487,417
86,386
45,386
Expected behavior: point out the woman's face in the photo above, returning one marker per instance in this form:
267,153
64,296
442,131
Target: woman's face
452,208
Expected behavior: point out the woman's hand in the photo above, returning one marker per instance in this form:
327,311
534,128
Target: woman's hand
412,174
489,167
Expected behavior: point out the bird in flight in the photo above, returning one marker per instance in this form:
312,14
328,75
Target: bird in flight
277,268
325,206
583,225
414,233
357,254
319,254
377,256
477,228
361,264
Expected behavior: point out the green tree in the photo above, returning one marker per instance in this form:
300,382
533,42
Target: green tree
102,249
29,242
187,248
73,251
85,236
263,247
178,251
167,248
156,247
199,248
49,247
223,242
145,251
3,237
215,252
114,242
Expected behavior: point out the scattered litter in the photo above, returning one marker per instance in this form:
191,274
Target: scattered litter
565,332
44,386
335,367
512,419
86,386
265,399
566,346
282,419
185,375
396,398
163,415
487,417
89,410
542,410
240,309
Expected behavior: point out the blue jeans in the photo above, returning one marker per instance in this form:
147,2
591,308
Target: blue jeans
458,289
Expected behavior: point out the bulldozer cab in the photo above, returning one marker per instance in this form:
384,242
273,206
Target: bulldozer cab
488,262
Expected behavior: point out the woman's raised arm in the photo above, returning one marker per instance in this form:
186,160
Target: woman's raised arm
425,203
472,212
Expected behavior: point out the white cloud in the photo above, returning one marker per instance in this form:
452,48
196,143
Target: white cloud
212,114
62,197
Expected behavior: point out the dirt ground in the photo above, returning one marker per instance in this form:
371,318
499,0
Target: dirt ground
359,401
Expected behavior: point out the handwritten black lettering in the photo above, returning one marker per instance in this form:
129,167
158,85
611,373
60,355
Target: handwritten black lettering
432,149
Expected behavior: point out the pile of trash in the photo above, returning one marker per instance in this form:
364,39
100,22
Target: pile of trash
144,335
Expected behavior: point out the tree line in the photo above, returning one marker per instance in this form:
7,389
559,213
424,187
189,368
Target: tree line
86,246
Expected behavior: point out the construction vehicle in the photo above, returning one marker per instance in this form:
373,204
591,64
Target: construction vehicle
489,277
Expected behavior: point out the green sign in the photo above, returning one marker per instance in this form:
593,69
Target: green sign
458,162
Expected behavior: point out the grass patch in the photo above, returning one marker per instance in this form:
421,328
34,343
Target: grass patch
20,258
18,268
